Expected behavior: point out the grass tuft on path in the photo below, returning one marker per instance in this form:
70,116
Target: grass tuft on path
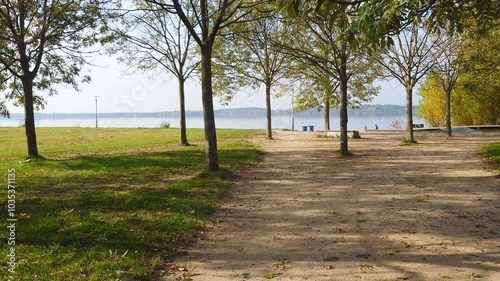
492,153
111,204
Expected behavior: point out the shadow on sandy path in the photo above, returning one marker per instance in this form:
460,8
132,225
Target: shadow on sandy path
424,212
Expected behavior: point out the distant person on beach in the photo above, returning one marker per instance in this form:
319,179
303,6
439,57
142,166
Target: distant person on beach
376,127
365,127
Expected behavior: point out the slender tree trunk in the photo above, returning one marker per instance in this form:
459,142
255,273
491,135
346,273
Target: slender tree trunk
182,109
409,114
327,114
29,117
448,113
269,129
208,109
344,145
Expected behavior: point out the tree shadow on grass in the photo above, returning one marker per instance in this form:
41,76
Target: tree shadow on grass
85,173
146,218
87,228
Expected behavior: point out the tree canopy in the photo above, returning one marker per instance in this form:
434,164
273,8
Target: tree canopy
210,18
156,40
475,98
250,56
408,61
48,41
45,43
318,54
378,20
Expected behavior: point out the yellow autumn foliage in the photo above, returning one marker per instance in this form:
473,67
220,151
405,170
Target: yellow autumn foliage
432,106
475,99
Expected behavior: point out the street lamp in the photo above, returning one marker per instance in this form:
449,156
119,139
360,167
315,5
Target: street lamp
293,117
96,110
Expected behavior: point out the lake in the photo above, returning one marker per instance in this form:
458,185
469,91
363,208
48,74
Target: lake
279,122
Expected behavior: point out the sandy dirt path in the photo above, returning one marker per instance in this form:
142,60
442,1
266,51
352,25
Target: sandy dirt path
391,212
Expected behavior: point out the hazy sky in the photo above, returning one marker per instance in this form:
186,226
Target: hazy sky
139,93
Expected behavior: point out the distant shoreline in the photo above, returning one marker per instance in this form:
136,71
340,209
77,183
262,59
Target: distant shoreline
252,112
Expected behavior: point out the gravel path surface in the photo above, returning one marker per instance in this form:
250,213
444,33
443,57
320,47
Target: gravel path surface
430,211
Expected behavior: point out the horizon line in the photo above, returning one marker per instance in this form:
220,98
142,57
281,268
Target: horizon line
196,110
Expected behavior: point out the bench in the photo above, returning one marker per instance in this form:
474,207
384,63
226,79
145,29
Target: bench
336,134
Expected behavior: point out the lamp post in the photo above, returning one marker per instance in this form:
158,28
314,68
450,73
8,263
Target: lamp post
293,117
96,110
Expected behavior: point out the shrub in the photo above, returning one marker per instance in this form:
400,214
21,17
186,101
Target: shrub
165,124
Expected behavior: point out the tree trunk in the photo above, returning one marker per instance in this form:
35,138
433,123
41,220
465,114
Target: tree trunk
212,157
29,117
409,114
448,113
327,114
182,111
269,129
344,146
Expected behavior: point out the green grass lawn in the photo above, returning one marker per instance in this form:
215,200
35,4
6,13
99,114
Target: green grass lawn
110,204
492,153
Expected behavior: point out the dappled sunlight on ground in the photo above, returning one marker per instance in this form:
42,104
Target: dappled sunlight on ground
429,211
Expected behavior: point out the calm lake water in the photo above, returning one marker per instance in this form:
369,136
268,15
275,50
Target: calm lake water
280,122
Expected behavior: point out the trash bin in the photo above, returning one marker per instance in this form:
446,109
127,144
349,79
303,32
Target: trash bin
304,128
311,128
